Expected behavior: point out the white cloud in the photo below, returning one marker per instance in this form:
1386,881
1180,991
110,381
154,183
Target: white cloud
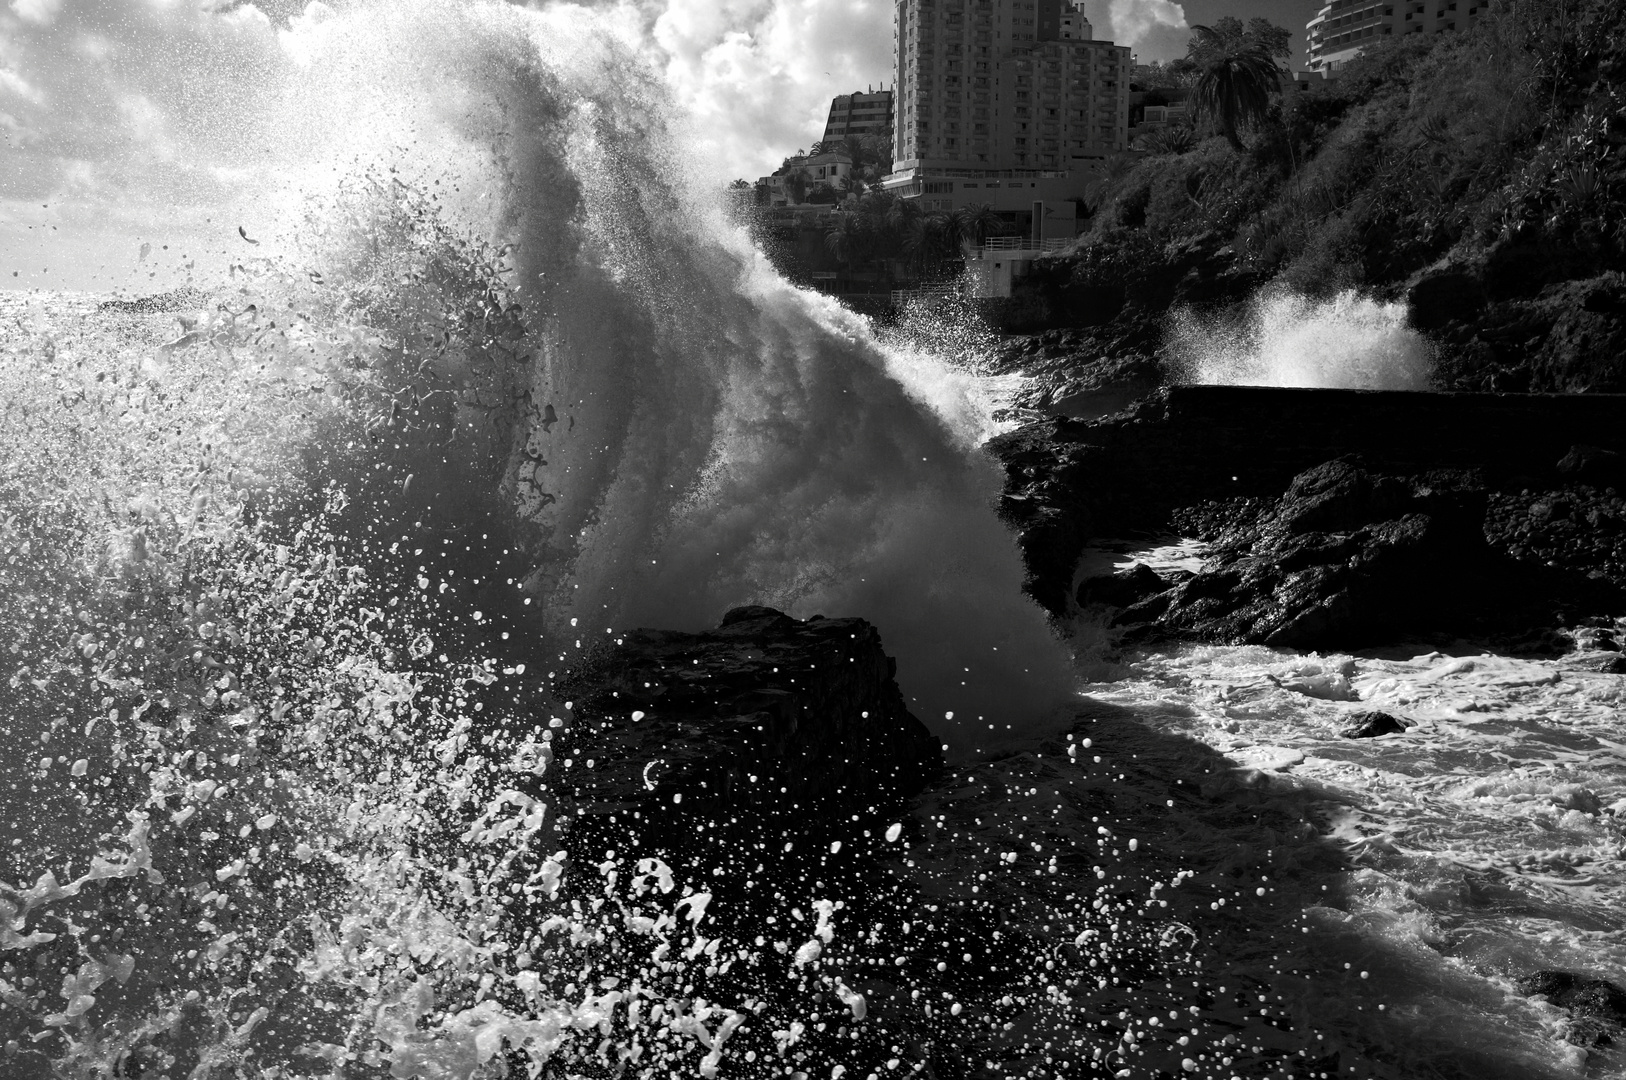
13,83
758,75
1155,29
39,12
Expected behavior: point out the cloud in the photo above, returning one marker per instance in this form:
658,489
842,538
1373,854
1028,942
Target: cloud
757,76
1155,29
39,12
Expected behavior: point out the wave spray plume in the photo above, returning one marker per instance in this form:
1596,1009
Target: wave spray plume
1349,342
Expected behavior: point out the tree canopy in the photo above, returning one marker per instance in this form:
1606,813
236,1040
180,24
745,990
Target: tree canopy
1228,36
1237,75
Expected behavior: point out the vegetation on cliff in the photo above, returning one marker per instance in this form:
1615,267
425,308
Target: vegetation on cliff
1481,174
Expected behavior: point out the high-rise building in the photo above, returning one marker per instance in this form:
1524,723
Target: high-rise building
1343,27
1003,90
855,115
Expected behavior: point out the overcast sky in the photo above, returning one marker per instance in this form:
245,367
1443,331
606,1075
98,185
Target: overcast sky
129,122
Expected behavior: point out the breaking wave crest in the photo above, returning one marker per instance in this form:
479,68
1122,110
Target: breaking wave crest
287,586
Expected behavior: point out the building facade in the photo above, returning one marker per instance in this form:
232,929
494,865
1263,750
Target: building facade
856,115
993,85
1343,27
798,177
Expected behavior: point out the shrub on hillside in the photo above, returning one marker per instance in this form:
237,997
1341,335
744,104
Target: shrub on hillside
1424,145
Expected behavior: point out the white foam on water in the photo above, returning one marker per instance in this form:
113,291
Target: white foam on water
1483,842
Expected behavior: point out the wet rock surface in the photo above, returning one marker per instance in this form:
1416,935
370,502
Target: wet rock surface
1373,724
1080,374
1462,514
1347,558
767,715
1123,588
1598,1007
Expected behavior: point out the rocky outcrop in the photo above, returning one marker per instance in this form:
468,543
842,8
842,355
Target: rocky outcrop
1372,724
1065,385
1347,558
1597,1007
766,716
1239,449
1501,330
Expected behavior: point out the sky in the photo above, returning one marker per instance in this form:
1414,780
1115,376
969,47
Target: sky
125,124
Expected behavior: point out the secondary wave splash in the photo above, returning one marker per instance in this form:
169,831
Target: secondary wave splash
1350,342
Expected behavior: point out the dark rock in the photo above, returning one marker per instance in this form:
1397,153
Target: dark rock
1343,558
1438,296
1597,1006
766,713
1090,389
1450,458
1593,465
1370,725
1347,558
1121,589
1586,349
1616,665
1585,800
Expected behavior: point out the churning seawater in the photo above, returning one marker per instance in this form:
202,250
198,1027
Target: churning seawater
290,559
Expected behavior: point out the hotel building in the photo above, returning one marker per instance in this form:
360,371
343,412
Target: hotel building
1005,102
856,115
1343,27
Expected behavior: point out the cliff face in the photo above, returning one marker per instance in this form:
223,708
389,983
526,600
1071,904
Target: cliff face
764,718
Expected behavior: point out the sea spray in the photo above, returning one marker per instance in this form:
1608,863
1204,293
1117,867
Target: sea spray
271,578
1350,342
699,433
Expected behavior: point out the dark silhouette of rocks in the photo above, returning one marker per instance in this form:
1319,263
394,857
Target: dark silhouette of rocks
766,714
1373,724
1123,588
1336,518
1346,558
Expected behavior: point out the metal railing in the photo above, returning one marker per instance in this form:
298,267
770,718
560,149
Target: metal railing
1024,243
900,297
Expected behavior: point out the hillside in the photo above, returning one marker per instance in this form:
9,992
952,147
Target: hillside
1479,176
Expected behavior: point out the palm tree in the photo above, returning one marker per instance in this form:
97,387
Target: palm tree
1235,83
851,238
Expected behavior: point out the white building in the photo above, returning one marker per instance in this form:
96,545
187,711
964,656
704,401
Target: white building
792,183
1001,261
1343,27
995,105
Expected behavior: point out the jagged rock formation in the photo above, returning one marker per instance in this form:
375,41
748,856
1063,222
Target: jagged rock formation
1503,327
1347,558
766,715
1308,553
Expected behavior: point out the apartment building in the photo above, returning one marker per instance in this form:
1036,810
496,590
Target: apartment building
1007,102
854,115
1343,27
